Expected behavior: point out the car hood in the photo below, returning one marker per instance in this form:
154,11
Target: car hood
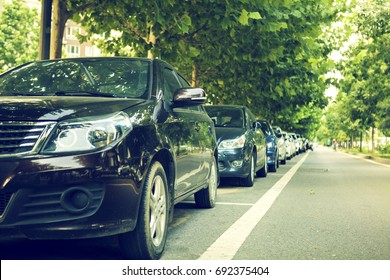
45,108
225,133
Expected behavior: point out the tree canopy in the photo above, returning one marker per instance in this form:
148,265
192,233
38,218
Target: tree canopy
364,99
19,35
268,55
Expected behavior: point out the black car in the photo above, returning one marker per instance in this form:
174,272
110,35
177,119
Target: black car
272,145
93,147
241,143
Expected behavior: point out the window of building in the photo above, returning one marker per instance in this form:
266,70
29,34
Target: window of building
72,51
71,32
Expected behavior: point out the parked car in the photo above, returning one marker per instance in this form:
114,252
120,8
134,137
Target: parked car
290,145
281,144
301,143
94,147
272,145
295,141
241,143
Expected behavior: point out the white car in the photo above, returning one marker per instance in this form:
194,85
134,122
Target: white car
281,144
290,145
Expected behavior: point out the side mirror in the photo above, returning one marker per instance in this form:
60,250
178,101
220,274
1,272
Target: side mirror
189,97
257,125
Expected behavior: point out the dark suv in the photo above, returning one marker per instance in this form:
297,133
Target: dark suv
102,146
241,143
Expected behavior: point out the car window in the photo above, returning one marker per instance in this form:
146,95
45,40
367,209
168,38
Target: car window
265,127
183,81
251,118
122,78
226,117
170,83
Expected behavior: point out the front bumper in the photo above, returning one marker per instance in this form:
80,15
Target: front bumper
233,163
67,197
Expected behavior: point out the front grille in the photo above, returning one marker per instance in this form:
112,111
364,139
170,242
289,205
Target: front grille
20,137
5,197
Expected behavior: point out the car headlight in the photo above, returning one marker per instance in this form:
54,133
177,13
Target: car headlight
88,134
232,143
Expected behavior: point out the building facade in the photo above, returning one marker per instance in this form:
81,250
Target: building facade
72,47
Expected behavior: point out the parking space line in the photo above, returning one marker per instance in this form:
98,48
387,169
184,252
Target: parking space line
221,203
235,203
227,245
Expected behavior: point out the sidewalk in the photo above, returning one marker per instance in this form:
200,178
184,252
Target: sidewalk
365,156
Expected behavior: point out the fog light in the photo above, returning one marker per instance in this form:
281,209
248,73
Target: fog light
76,199
79,200
236,163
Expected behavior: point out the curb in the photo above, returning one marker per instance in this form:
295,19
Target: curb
374,158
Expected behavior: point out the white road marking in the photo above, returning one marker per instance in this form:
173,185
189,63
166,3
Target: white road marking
222,203
227,245
235,203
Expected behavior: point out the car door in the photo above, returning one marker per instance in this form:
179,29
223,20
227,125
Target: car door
185,128
259,138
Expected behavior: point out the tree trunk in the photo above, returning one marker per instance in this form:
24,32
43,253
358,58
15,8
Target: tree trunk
361,142
372,139
194,77
60,16
152,39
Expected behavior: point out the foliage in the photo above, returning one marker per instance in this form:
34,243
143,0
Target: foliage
19,35
367,73
363,102
268,55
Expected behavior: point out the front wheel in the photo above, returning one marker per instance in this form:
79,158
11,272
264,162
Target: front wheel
147,241
250,179
206,198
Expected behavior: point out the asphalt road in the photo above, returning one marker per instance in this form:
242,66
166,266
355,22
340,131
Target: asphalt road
321,205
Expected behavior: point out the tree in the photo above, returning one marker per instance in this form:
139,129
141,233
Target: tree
366,73
19,35
62,11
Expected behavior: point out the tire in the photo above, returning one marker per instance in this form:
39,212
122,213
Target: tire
264,170
283,161
148,239
249,181
206,198
274,166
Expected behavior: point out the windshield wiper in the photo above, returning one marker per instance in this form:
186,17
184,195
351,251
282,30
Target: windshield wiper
83,93
21,94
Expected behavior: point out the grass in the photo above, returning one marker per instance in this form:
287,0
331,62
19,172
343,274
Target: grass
368,153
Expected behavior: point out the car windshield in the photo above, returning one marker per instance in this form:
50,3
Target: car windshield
226,117
266,128
94,77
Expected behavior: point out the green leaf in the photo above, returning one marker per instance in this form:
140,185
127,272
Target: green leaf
244,17
254,15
